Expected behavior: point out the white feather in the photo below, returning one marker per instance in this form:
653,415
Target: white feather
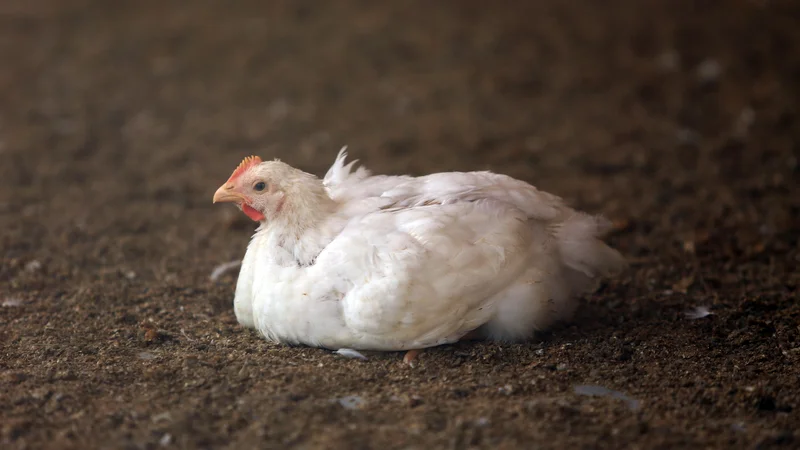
352,354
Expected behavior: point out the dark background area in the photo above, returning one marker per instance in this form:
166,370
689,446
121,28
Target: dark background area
118,120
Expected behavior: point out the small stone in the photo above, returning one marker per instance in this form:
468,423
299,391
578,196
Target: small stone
146,356
738,426
151,335
709,70
682,286
12,302
600,391
669,60
150,332
351,402
620,224
162,417
745,120
687,136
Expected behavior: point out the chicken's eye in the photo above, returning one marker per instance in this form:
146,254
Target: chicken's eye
260,186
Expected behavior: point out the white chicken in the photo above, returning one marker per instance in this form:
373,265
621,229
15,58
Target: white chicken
394,263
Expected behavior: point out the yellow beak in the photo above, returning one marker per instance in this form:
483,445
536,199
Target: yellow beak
225,193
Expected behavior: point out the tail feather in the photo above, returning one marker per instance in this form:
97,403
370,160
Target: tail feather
337,173
580,243
340,172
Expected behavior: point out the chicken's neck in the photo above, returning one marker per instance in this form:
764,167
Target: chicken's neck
302,229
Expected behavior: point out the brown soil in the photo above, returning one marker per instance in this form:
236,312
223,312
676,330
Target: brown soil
119,119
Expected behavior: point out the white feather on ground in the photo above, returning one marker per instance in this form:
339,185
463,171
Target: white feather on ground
223,268
350,353
698,312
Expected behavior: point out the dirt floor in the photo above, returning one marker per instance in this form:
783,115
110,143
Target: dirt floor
118,120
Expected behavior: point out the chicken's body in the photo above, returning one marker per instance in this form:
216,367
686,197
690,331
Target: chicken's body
399,263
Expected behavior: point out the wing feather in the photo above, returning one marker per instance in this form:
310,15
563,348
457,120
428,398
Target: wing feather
422,276
423,268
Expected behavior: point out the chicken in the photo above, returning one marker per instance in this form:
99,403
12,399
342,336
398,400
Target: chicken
401,263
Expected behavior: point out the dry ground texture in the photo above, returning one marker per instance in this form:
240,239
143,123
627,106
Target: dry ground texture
676,119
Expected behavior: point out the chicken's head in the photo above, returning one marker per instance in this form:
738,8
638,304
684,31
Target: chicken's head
270,190
253,188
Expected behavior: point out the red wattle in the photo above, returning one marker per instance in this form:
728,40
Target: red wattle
252,213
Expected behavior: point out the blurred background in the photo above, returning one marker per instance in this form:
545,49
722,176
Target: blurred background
676,119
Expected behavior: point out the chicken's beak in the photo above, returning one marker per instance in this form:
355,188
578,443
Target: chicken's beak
226,194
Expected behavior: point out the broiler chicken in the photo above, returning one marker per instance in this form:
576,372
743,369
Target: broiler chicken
401,263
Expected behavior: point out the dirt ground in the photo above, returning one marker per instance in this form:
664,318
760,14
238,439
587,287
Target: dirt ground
676,119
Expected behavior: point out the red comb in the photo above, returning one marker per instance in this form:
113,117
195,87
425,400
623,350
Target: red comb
246,164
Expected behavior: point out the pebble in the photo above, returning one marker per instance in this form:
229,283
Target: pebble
669,60
745,120
147,356
709,70
165,440
164,416
482,422
12,302
507,389
600,391
351,402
